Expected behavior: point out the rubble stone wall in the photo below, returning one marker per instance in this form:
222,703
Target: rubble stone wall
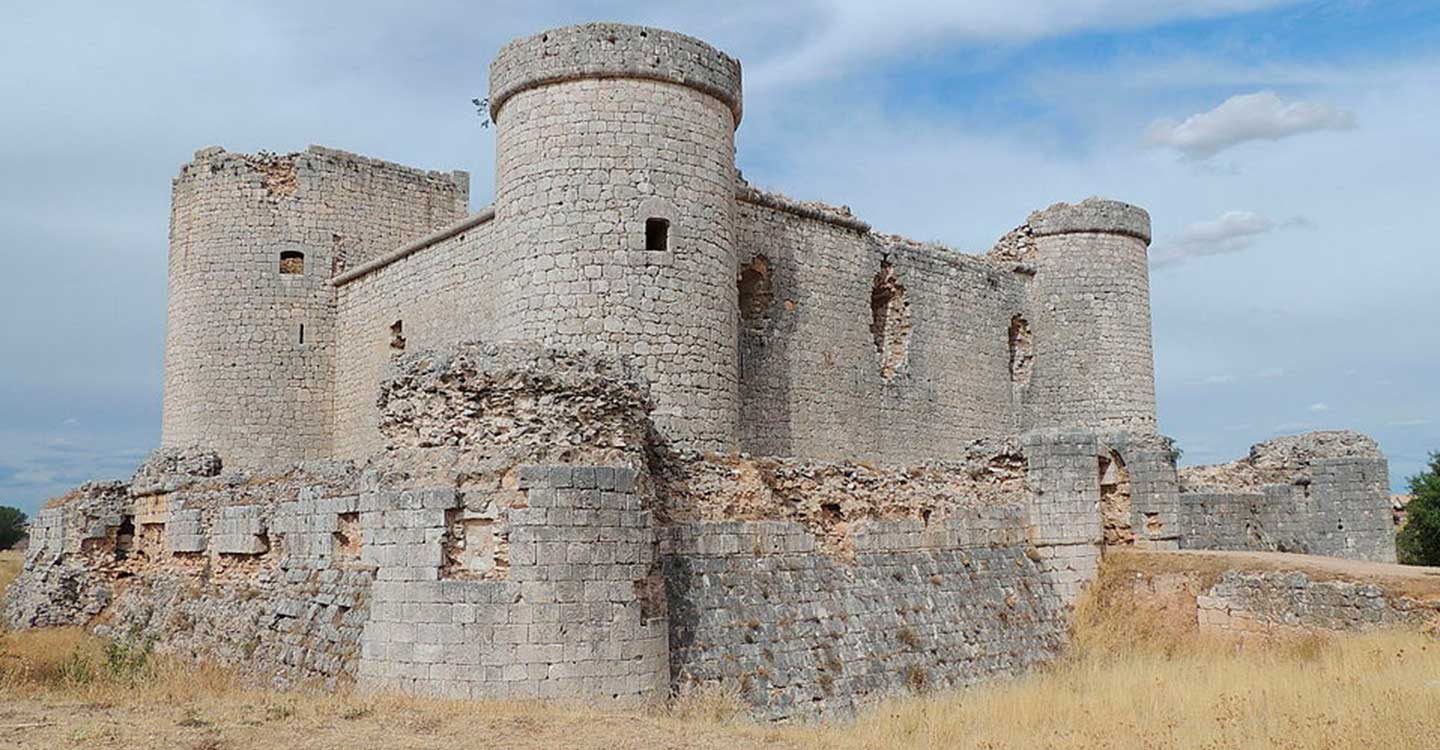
800,633
1324,493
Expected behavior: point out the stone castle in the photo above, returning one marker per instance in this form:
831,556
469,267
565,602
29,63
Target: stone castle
640,426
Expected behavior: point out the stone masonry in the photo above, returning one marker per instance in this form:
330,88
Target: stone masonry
640,427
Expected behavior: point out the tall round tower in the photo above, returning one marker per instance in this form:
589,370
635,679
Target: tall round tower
1090,310
251,325
615,200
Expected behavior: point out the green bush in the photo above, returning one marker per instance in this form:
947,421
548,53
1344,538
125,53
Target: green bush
1419,540
12,526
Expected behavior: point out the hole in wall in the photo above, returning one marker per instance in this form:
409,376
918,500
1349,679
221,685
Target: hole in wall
292,262
346,539
1022,352
657,235
756,291
1115,503
302,333
397,337
125,537
889,321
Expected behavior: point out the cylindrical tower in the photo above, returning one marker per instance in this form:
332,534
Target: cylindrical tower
615,200
251,325
1089,304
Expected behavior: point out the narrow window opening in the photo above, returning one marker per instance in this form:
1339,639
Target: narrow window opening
657,235
397,337
302,333
292,262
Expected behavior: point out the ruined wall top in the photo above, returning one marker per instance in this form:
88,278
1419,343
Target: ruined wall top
1097,215
610,50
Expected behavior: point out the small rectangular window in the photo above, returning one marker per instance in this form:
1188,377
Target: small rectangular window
302,333
292,262
657,235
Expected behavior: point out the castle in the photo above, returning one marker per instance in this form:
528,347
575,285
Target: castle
639,425
620,226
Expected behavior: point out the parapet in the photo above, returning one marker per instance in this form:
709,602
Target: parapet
610,50
1092,215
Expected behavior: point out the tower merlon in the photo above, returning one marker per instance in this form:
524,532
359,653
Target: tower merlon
610,50
1092,216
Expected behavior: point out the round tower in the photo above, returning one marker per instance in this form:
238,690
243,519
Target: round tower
1090,309
250,328
615,195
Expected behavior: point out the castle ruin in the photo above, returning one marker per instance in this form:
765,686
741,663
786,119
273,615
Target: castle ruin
639,425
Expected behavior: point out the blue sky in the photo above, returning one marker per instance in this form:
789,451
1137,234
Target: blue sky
1287,152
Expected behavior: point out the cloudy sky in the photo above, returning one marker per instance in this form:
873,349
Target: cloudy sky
1288,153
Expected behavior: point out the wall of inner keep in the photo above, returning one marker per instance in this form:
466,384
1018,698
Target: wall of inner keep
856,346
429,300
754,606
251,337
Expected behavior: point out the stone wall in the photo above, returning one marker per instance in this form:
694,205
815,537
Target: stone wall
757,606
1269,594
863,346
565,603
430,299
251,334
1323,493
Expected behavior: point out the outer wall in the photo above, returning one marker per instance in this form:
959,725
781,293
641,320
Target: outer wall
580,167
1090,308
811,380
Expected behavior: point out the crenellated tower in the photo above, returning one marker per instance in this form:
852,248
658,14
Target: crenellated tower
615,203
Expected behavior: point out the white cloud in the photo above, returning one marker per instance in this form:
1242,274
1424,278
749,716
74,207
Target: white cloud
1319,407
1263,115
1271,373
1219,379
1409,423
853,32
1232,232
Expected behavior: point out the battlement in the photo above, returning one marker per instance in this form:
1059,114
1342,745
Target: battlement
610,50
1092,215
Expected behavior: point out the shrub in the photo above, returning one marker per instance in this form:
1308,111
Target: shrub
12,526
1418,542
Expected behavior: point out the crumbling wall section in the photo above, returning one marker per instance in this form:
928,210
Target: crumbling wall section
865,346
1321,493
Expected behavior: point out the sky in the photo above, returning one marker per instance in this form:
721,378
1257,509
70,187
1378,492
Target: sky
1287,151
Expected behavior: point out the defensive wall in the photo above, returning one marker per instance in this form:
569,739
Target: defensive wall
522,533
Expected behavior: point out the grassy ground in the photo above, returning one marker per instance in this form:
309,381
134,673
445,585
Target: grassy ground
1134,680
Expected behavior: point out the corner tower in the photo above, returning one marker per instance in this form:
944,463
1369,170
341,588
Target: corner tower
615,199
250,333
1089,304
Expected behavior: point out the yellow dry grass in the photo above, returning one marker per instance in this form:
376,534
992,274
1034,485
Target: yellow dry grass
1136,678
10,562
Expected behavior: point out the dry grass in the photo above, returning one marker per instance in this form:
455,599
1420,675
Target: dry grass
10,562
1135,679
